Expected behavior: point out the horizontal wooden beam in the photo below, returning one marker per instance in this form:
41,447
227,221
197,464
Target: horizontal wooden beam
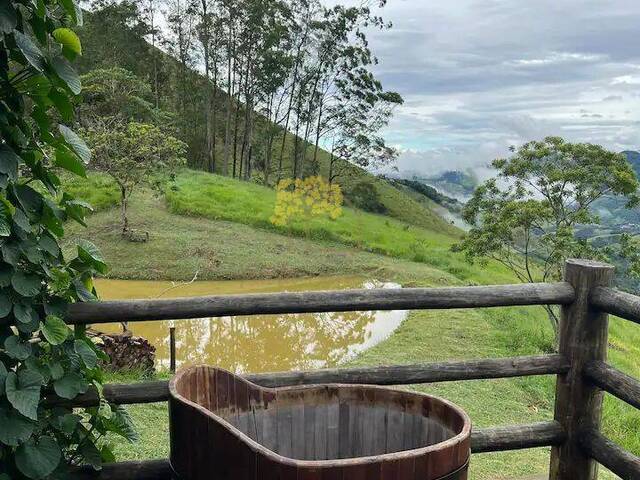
133,470
612,456
618,303
158,391
497,439
614,381
517,437
322,301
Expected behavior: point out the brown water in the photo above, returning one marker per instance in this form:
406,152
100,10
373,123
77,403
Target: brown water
258,343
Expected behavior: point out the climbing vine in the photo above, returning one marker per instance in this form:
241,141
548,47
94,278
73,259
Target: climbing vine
41,357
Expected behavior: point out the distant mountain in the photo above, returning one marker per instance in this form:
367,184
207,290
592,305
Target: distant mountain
429,192
613,211
634,159
453,183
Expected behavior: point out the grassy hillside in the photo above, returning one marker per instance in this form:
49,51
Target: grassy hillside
221,198
219,228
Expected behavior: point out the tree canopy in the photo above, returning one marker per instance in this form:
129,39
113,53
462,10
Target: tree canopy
526,217
131,139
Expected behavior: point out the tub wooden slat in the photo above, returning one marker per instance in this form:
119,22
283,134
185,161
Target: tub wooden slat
284,431
320,432
309,426
298,438
333,425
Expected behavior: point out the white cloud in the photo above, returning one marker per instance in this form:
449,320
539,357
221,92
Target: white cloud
481,75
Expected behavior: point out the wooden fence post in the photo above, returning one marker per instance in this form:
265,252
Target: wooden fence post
583,333
172,349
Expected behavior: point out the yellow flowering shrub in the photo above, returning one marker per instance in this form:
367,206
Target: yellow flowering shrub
301,198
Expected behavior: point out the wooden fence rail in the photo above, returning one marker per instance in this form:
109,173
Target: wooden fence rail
618,303
586,298
614,381
607,453
315,302
158,391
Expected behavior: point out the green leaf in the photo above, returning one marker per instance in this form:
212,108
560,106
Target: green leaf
30,50
70,161
30,199
17,348
9,162
91,455
121,424
36,365
38,459
5,227
76,143
56,370
20,219
84,294
107,454
73,10
70,386
52,218
8,18
49,245
5,305
24,313
15,428
68,39
25,284
67,74
68,423
55,330
3,377
91,255
10,252
60,99
23,392
6,272
29,326
88,356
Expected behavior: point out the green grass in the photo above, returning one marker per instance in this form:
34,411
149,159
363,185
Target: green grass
99,189
219,228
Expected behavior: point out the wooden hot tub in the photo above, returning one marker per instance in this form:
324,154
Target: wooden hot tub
224,427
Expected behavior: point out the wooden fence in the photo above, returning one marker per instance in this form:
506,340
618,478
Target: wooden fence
585,296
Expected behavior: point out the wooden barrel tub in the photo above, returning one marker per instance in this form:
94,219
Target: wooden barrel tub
226,428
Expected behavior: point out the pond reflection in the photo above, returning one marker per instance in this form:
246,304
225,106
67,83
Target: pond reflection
258,343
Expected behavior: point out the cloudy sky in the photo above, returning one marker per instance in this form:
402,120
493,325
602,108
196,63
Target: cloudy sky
481,75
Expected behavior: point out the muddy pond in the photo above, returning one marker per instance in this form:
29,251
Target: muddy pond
259,343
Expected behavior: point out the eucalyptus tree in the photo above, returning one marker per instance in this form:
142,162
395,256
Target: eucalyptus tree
209,31
149,12
229,16
352,105
179,42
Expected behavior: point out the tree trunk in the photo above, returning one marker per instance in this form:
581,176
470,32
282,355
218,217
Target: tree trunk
123,210
227,128
235,124
214,119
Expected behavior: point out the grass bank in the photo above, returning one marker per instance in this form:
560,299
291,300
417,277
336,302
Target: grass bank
183,246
